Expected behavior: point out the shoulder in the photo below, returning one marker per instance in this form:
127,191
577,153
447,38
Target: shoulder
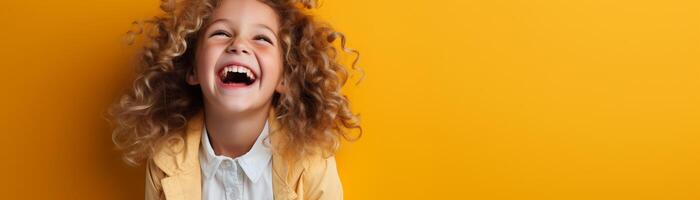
312,177
318,166
178,152
320,177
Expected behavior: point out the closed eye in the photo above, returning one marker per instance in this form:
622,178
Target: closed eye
222,33
264,38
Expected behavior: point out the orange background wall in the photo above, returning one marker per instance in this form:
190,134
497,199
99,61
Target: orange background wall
480,99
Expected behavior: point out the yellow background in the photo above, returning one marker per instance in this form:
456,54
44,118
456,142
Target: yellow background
487,99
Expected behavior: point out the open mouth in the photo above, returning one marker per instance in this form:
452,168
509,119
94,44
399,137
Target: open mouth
237,75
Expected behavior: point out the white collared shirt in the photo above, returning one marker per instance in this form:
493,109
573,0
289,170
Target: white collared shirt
247,177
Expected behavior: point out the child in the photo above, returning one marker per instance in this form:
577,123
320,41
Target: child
237,99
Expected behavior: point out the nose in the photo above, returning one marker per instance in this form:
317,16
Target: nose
238,47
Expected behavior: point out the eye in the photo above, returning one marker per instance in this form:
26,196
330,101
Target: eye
220,33
264,38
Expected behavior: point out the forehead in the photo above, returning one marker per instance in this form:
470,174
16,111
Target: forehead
245,12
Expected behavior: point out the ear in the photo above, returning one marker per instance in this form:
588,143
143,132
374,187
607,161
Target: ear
192,77
281,87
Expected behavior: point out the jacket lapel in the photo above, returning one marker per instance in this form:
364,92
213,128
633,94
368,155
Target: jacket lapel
280,168
281,189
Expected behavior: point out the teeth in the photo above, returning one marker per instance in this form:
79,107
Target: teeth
238,69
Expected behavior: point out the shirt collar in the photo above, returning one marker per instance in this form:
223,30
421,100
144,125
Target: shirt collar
253,163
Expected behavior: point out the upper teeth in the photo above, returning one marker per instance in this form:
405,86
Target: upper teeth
238,69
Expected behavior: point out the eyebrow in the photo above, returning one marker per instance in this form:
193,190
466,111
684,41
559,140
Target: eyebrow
267,27
228,21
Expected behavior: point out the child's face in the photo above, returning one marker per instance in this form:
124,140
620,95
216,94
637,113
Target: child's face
238,59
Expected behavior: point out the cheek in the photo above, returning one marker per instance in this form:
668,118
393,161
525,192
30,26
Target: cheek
272,65
273,68
205,59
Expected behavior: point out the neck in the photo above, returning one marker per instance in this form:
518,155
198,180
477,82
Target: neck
233,135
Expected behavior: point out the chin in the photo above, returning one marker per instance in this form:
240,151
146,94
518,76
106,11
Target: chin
237,100
238,106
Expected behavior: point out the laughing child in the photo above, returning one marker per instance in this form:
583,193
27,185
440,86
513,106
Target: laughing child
237,99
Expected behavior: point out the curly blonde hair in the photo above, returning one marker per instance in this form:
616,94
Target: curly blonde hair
312,112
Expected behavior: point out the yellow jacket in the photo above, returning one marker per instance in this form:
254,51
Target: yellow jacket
174,172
